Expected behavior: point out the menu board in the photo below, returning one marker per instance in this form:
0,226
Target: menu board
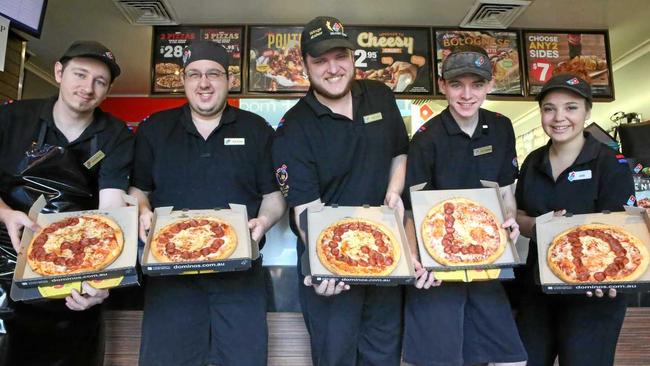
170,42
501,47
582,54
275,63
398,57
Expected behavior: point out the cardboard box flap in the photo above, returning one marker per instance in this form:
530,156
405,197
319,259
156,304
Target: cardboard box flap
544,218
130,200
417,187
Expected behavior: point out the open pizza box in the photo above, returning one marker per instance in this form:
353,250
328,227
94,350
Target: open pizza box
489,196
634,220
124,264
241,259
62,290
319,217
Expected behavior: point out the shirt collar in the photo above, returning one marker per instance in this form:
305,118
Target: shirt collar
320,109
228,116
588,153
100,119
452,127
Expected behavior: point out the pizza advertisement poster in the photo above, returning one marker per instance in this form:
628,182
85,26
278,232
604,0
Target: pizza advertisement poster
461,229
79,245
585,54
399,57
358,245
642,190
198,241
169,43
275,63
608,249
501,46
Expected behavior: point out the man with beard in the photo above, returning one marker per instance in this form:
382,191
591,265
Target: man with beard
202,155
80,158
343,143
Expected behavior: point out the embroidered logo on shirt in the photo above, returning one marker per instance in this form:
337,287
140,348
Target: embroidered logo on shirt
282,175
372,117
483,150
234,141
579,175
93,160
631,200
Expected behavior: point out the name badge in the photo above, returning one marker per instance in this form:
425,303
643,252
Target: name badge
372,117
93,160
483,150
579,175
234,141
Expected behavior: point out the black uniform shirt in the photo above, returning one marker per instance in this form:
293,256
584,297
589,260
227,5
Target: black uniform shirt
181,169
20,123
596,181
445,157
322,154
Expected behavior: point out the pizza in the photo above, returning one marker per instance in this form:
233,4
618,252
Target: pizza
459,232
597,253
194,240
166,68
358,247
75,244
171,81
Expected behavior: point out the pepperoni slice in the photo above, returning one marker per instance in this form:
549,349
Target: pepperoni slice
363,263
446,242
383,249
447,249
333,244
599,276
480,249
464,250
621,261
582,233
449,237
449,206
185,255
203,222
577,262
611,270
170,247
59,261
379,243
73,221
449,211
377,235
336,238
65,245
195,254
583,276
354,226
577,252
365,249
85,242
450,230
175,229
205,251
576,243
50,257
335,252
449,224
388,261
455,249
218,231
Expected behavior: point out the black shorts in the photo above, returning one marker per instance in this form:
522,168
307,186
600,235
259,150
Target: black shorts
460,324
205,319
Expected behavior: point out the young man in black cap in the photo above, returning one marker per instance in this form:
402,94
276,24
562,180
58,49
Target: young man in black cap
202,155
462,323
82,158
572,173
344,143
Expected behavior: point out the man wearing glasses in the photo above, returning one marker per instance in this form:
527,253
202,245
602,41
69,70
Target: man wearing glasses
206,154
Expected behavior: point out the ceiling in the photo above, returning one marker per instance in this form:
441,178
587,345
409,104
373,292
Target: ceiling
67,20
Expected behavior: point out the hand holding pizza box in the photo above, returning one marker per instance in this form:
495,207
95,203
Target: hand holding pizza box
75,246
462,229
358,245
579,253
198,241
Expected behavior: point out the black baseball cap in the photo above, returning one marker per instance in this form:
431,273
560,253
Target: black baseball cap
94,50
466,62
568,82
206,50
322,34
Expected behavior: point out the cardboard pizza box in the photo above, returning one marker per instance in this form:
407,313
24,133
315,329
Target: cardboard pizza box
423,200
241,259
60,291
633,219
319,217
124,264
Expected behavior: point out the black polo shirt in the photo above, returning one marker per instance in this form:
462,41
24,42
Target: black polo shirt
596,181
181,169
20,123
322,154
445,157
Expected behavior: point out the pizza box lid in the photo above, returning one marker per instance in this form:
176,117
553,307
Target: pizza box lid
489,196
634,220
52,292
320,217
241,259
124,264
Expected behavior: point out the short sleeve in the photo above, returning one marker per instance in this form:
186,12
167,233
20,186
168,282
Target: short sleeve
115,169
401,142
265,178
143,159
295,168
509,169
615,186
521,184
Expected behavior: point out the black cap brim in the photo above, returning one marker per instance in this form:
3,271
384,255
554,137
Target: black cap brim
321,47
543,92
112,66
450,74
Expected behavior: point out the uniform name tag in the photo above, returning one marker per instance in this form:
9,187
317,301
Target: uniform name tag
234,141
372,117
483,150
579,175
93,160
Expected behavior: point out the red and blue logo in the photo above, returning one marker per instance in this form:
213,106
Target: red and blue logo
479,61
573,81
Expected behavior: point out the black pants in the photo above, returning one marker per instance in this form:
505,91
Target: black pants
49,334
